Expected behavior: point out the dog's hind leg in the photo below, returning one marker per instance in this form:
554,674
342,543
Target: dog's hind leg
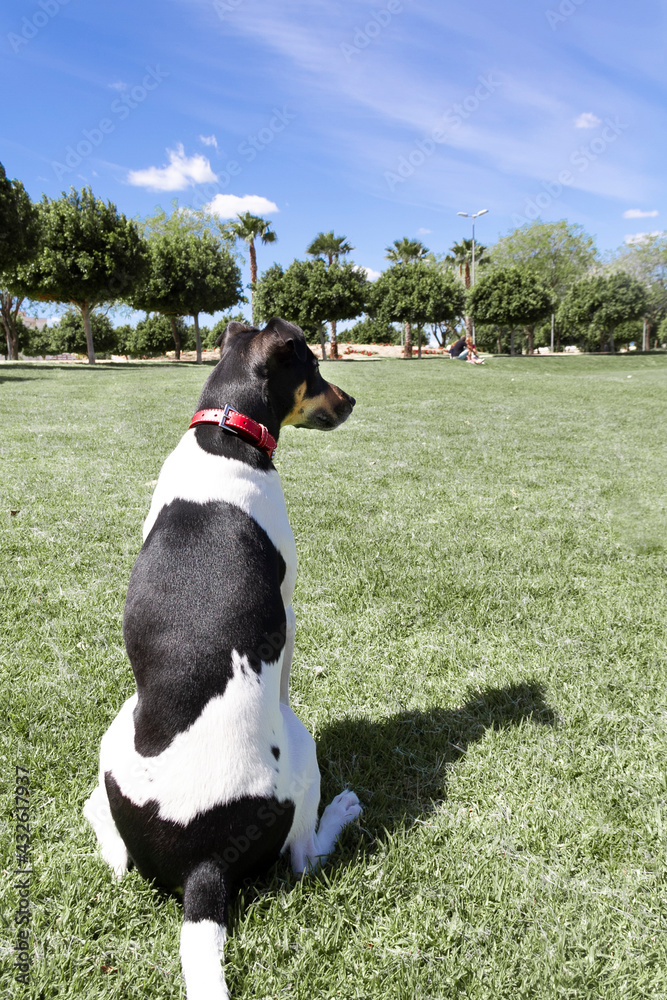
203,934
112,847
312,850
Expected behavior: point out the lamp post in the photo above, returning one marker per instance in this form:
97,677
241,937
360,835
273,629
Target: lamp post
473,216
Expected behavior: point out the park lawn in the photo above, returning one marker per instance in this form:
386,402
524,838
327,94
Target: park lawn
480,654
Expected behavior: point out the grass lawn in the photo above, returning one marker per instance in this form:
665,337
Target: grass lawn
480,653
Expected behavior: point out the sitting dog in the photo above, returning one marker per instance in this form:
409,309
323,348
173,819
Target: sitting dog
206,774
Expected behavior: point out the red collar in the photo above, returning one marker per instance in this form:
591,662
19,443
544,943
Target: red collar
246,428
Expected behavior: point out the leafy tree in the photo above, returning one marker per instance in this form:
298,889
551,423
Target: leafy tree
401,252
330,248
172,277
310,293
190,272
153,336
559,253
372,331
69,334
89,254
250,228
509,298
646,260
19,241
415,293
604,301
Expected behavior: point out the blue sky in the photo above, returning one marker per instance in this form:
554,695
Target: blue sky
375,119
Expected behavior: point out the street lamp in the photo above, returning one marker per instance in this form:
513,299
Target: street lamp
473,216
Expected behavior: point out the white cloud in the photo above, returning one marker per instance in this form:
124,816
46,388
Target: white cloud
209,140
226,206
587,120
118,85
641,237
636,213
181,172
423,232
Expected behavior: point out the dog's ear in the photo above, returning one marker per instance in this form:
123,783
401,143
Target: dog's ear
230,331
284,339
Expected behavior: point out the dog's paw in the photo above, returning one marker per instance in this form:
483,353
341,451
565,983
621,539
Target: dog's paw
343,809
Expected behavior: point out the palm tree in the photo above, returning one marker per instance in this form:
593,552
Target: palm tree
331,248
461,257
249,228
404,252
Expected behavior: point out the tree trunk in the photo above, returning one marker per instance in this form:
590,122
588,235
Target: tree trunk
512,343
499,345
407,347
85,312
530,333
612,346
253,277
9,312
333,349
468,321
553,323
323,343
197,337
177,338
419,343
467,275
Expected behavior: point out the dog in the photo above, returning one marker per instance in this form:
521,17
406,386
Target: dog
206,775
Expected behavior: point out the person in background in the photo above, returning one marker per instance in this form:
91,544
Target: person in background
457,348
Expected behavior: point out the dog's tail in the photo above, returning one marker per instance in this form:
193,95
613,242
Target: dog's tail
204,931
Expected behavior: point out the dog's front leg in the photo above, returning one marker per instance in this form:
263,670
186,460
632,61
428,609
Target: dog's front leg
288,653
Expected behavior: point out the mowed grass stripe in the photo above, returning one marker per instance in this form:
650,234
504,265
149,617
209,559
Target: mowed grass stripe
480,653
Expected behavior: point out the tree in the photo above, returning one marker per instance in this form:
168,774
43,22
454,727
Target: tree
508,298
153,336
310,293
372,331
646,260
90,254
401,252
604,301
416,293
559,253
250,228
189,273
69,334
332,248
19,241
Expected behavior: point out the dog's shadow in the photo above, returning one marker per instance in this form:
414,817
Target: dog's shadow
399,766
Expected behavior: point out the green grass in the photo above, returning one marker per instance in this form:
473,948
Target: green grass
480,654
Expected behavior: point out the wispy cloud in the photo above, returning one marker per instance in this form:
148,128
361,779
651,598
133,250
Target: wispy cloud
423,232
226,206
118,85
587,120
209,140
637,213
181,172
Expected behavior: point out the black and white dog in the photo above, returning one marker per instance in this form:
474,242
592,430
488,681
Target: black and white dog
206,774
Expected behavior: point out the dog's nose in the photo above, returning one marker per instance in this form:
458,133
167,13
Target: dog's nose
351,399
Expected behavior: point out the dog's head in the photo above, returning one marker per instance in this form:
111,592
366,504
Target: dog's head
299,394
291,383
